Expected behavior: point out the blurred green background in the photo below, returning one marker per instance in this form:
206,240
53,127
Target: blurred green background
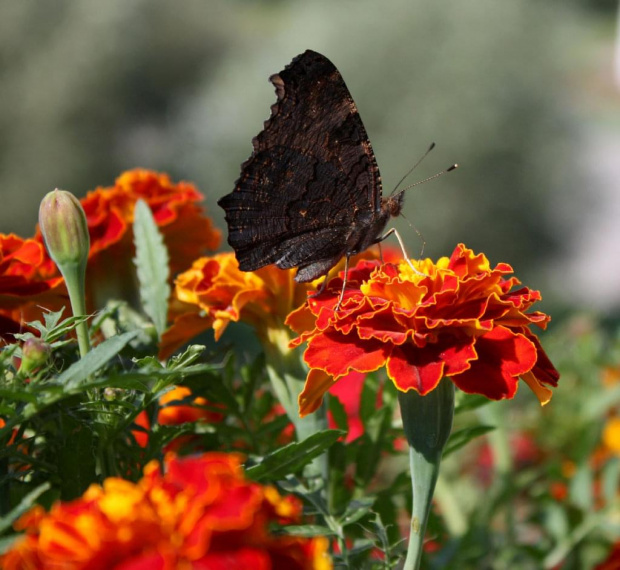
521,94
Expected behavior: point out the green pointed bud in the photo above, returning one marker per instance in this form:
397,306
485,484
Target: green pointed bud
63,225
35,353
64,228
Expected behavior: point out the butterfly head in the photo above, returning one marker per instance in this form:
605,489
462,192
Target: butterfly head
393,204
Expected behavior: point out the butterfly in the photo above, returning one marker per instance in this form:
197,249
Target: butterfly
310,193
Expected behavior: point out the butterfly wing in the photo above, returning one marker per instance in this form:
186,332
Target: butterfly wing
311,177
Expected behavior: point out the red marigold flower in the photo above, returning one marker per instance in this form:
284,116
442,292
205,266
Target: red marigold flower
457,318
202,513
25,283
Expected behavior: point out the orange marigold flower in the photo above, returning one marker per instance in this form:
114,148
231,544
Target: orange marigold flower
202,513
172,412
215,292
176,209
25,283
457,318
187,232
611,435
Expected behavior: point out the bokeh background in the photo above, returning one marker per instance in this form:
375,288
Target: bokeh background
524,95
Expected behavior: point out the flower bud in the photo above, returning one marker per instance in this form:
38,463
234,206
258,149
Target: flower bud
35,353
63,225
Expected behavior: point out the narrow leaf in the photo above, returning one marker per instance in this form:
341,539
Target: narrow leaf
75,375
294,456
152,266
27,502
460,438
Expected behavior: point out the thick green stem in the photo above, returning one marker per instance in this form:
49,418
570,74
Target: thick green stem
75,277
427,421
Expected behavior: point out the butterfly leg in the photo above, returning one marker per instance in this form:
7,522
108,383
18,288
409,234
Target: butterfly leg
344,282
320,289
402,247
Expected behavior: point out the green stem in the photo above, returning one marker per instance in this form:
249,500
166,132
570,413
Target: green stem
427,421
75,278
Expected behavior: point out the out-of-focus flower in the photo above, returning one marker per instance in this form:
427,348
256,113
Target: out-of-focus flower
201,514
215,292
176,209
457,318
172,412
25,283
524,450
349,392
611,435
612,562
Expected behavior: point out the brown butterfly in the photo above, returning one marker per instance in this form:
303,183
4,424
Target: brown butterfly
310,193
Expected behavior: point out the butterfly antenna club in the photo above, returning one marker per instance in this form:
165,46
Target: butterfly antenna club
445,171
428,150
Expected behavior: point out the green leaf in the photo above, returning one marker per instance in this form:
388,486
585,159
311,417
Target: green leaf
462,437
357,509
466,402
27,502
293,457
78,372
152,266
308,530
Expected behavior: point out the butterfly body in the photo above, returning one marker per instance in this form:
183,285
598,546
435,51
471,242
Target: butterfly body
310,193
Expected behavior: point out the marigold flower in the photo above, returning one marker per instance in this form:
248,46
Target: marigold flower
215,292
25,283
457,318
611,435
172,413
202,513
187,231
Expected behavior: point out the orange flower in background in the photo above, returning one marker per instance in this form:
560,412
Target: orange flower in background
215,292
457,318
25,283
201,514
176,209
172,412
612,562
611,435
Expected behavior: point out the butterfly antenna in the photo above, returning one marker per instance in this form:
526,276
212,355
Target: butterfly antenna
413,168
449,169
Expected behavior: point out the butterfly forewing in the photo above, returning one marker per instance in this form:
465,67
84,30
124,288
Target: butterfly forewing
311,186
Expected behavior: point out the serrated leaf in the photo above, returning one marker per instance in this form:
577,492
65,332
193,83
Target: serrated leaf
152,266
293,457
79,371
